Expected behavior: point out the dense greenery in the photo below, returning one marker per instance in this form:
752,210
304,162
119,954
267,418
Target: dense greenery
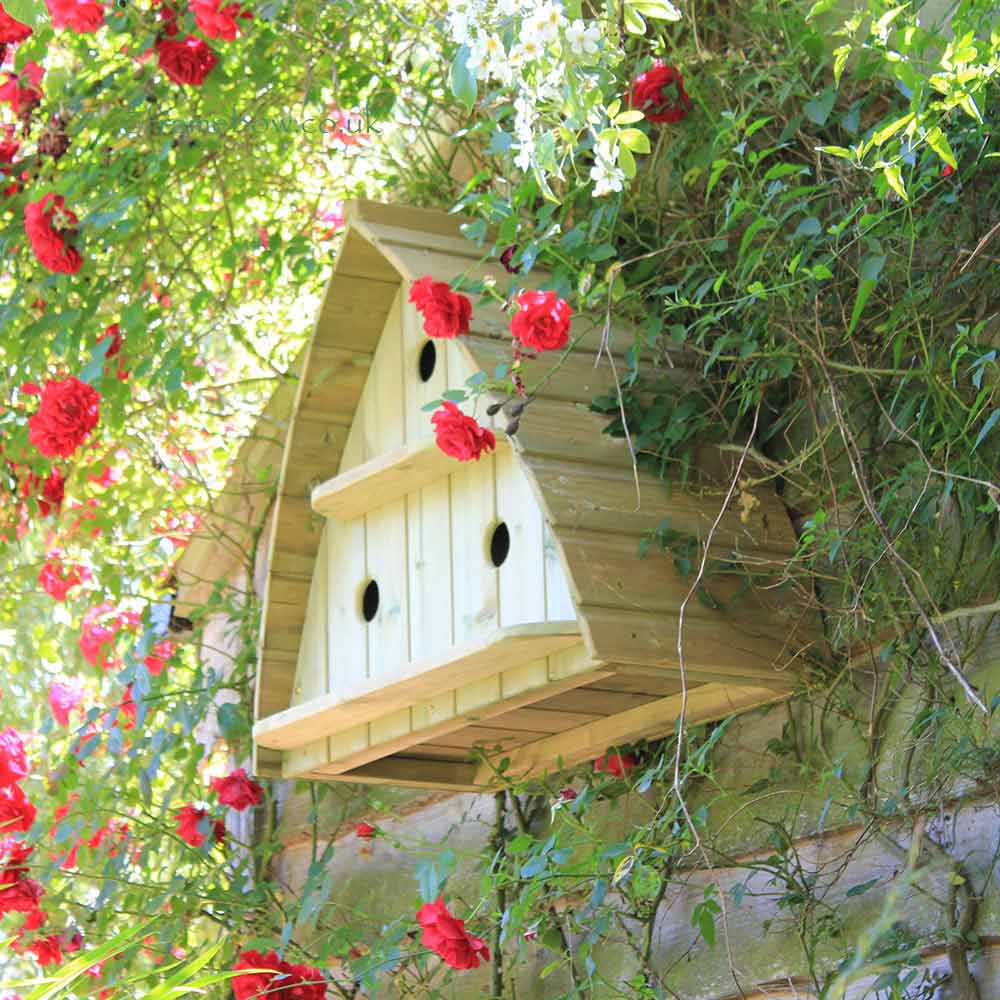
815,238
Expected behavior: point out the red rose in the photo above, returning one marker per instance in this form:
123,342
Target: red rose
13,760
127,715
567,794
21,896
187,62
50,226
365,831
84,16
238,791
58,578
53,493
97,633
218,20
67,413
16,812
460,436
447,936
617,765
159,655
47,950
659,93
11,30
279,980
21,90
114,348
189,821
542,323
13,855
446,313
63,699
947,170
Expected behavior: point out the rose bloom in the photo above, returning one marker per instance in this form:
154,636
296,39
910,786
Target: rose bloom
21,90
11,30
13,855
617,765
283,982
238,791
187,62
47,950
365,831
188,821
13,759
63,699
159,655
542,322
50,225
16,812
52,493
216,20
97,633
333,217
58,578
21,896
659,93
460,436
83,16
567,794
447,936
446,313
114,348
68,411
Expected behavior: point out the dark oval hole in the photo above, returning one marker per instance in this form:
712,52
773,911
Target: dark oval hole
428,359
499,544
369,601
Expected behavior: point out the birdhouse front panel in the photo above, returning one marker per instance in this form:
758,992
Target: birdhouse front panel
427,618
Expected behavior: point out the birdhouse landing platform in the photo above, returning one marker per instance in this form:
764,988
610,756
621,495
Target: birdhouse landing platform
440,624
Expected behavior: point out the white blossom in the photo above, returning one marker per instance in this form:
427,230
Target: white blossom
583,37
606,177
525,152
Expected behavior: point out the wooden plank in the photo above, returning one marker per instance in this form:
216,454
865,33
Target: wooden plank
558,598
713,647
348,642
409,773
381,742
419,392
569,432
359,211
474,578
521,578
712,701
594,700
486,737
468,662
382,399
428,515
388,631
359,258
355,306
383,479
311,669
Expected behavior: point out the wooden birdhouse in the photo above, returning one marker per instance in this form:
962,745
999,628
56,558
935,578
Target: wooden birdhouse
418,608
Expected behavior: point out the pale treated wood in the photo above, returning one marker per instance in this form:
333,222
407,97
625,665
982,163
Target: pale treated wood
558,599
711,701
347,667
474,660
389,630
593,699
408,772
521,578
382,400
474,579
418,393
310,671
382,741
712,647
428,513
383,479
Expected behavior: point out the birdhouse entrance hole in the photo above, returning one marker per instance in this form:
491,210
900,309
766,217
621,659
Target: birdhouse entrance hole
499,544
427,361
369,601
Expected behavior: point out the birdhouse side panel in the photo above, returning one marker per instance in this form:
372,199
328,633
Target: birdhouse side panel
385,571
429,369
310,669
428,513
347,665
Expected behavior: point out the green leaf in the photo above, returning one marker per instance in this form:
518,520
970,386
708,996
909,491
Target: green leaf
463,83
937,140
660,9
842,151
871,268
991,421
819,108
628,117
29,12
858,890
634,24
626,161
635,139
885,133
895,180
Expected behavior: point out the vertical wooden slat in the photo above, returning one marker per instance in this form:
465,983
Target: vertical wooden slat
558,602
382,399
418,393
474,579
522,575
310,670
388,632
428,514
345,555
